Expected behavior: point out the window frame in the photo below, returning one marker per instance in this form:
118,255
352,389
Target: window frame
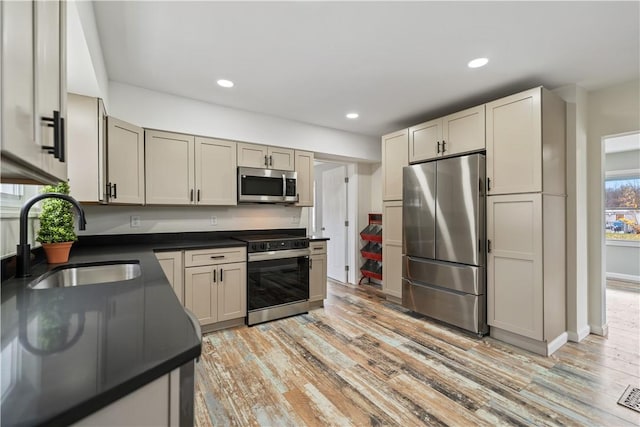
620,173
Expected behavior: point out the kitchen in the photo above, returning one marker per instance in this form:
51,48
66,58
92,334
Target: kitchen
153,109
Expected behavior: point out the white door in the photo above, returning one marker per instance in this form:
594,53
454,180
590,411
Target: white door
334,215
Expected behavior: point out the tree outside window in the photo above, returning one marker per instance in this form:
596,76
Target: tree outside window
622,208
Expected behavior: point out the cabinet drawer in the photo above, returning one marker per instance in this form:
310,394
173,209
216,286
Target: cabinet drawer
214,256
318,247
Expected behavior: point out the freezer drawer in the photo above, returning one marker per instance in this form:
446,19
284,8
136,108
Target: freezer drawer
463,310
456,277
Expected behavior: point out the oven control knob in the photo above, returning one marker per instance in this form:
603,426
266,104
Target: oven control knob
266,246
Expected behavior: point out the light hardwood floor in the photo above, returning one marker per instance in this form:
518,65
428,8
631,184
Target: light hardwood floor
363,361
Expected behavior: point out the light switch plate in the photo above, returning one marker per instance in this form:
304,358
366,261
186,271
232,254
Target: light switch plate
135,221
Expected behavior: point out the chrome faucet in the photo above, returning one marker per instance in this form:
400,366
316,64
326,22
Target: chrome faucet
23,254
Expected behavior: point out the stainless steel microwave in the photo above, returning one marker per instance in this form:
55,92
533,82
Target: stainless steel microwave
266,186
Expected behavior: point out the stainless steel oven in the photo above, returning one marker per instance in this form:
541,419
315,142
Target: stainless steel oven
277,277
266,186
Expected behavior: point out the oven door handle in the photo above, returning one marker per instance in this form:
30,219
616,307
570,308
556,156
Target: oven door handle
272,255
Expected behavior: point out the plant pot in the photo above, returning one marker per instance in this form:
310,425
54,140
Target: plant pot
57,253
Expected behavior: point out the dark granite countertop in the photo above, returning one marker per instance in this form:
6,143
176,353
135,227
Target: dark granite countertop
67,352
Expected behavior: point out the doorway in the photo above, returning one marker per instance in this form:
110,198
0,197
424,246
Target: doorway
331,215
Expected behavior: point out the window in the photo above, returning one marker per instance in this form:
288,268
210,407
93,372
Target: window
622,206
13,196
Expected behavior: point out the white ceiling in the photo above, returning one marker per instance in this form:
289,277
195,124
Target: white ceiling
396,63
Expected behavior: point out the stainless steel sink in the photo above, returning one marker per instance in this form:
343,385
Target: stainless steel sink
90,274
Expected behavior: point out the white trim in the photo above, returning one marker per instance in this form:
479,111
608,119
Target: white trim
580,335
603,330
558,342
621,172
624,277
626,243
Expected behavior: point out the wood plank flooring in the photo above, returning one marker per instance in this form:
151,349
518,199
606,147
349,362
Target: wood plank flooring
364,361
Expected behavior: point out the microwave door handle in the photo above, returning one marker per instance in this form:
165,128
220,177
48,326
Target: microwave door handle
284,187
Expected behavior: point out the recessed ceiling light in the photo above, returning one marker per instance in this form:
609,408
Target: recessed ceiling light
225,83
353,115
478,62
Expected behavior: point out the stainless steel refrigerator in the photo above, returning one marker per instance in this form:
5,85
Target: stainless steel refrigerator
444,256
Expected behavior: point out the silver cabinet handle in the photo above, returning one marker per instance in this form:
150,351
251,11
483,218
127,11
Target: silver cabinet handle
284,186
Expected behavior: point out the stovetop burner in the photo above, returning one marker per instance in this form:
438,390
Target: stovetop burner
273,242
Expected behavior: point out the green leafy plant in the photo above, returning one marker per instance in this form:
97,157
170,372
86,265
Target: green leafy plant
56,217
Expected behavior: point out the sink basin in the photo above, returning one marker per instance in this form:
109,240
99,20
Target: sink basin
88,274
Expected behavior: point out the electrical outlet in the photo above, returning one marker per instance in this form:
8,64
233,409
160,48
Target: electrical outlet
135,221
295,219
214,220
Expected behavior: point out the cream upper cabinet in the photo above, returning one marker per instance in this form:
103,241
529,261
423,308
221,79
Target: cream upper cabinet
392,249
215,169
424,140
318,272
217,291
463,132
263,156
114,146
169,168
394,158
172,266
454,134
520,128
86,139
305,177
125,162
33,91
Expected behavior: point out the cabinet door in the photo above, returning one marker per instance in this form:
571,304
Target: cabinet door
424,140
50,83
83,140
514,272
201,293
18,106
169,165
252,155
394,158
463,131
215,167
304,183
317,277
232,291
514,138
125,162
171,264
392,249
281,158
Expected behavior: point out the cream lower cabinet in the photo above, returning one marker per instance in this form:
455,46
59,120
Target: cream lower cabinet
392,250
456,133
172,266
305,177
394,158
215,286
264,156
317,273
526,269
186,170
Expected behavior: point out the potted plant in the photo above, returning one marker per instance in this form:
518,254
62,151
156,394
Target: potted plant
56,225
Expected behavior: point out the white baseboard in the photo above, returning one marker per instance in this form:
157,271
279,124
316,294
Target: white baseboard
624,277
580,335
603,330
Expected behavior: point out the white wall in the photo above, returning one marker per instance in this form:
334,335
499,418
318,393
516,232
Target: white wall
612,110
165,219
157,110
576,227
